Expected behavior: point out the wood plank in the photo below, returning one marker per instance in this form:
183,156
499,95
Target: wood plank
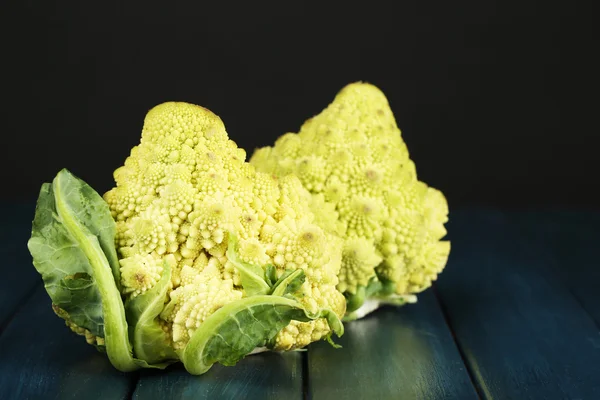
42,359
19,277
403,353
573,239
260,376
523,334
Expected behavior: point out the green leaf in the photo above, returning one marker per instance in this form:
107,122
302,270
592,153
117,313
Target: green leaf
64,267
376,286
271,275
378,290
150,342
388,288
289,283
237,328
90,210
332,343
356,300
252,276
334,322
70,227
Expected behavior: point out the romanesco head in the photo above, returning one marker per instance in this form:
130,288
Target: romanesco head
352,159
179,196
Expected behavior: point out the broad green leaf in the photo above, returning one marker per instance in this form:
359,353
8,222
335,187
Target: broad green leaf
150,343
88,207
233,331
252,276
289,283
64,267
76,272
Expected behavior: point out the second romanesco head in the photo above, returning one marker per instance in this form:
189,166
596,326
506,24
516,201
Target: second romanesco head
352,159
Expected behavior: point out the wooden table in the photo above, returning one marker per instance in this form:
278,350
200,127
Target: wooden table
516,315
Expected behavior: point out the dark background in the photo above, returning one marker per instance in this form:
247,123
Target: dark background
496,100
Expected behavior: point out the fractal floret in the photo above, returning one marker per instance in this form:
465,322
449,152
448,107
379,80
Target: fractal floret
364,188
193,256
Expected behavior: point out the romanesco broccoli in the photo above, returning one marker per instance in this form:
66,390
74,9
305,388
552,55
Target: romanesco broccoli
193,256
365,190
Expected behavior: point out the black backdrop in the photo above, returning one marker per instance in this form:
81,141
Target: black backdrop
496,100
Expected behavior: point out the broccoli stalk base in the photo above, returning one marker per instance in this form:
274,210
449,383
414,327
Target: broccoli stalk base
377,293
373,304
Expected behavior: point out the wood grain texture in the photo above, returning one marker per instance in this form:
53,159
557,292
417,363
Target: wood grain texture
521,293
569,241
395,353
18,274
523,333
40,358
260,376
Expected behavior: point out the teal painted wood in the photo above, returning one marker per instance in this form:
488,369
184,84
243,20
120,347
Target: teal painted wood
524,335
395,353
18,274
40,358
260,376
569,242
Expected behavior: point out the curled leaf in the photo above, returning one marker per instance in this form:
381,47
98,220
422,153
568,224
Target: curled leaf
252,276
71,229
236,329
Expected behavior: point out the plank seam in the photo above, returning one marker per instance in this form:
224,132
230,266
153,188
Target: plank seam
134,382
305,376
583,307
476,386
